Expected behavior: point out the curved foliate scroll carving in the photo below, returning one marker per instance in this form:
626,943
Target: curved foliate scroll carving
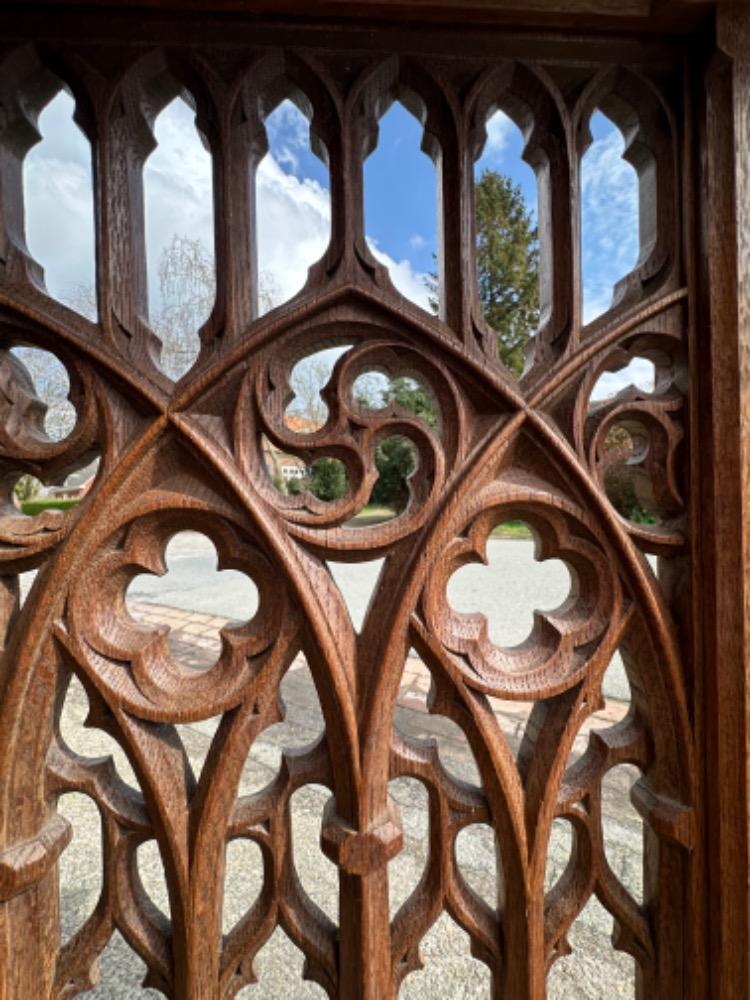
22,431
27,449
351,434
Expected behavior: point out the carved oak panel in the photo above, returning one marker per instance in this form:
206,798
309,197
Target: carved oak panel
190,455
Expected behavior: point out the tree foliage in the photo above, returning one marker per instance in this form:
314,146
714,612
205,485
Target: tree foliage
396,457
411,396
26,488
621,478
326,481
307,379
396,460
508,282
51,386
507,265
187,289
507,251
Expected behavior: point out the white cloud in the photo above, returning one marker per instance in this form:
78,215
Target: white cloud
293,213
609,196
499,128
58,205
177,183
640,373
294,223
411,283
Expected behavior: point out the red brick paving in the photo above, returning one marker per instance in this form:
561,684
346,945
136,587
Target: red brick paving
194,640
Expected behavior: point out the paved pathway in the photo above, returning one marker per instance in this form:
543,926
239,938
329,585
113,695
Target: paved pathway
507,590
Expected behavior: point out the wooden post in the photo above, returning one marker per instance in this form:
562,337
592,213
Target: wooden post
722,377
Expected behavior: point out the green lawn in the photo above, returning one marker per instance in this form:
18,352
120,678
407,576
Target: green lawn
371,514
512,529
374,514
41,504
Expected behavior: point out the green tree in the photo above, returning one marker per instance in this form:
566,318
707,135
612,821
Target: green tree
26,488
395,459
411,396
507,265
621,479
327,480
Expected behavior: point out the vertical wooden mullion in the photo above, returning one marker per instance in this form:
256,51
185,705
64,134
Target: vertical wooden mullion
242,139
124,141
456,240
685,599
721,377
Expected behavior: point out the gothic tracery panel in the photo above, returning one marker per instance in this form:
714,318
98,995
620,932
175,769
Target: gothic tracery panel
190,455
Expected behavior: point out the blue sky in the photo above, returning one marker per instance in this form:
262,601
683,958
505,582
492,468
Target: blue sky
294,202
401,192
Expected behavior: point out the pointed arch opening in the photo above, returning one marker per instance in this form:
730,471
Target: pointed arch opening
179,223
59,206
401,191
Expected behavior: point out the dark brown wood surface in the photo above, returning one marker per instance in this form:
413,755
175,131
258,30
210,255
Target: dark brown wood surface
721,598
641,16
189,456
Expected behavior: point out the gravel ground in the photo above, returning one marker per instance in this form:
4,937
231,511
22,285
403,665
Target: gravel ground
593,970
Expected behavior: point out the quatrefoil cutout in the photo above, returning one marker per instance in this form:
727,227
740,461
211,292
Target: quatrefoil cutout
134,661
510,589
563,642
193,583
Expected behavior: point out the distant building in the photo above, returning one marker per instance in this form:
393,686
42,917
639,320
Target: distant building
292,468
76,486
282,467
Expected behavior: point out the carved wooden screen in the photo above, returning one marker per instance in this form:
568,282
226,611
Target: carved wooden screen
189,455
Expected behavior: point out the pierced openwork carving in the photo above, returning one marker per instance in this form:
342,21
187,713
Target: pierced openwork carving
190,455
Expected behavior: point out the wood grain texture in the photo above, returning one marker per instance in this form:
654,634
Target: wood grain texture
722,381
190,456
